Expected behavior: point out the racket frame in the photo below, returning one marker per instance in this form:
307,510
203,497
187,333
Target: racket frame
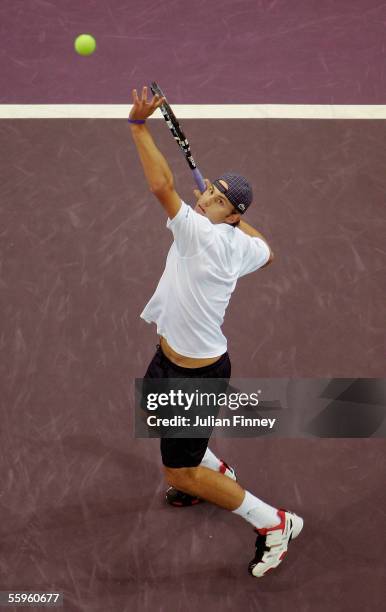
179,136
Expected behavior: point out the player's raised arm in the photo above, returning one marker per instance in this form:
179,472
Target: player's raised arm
157,172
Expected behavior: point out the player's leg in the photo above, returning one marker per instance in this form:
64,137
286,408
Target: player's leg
182,458
178,498
274,527
180,453
196,451
224,492
207,484
184,470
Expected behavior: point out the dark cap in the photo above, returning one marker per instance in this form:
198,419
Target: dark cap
239,191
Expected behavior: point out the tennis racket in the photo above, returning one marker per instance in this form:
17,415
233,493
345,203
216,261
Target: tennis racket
179,136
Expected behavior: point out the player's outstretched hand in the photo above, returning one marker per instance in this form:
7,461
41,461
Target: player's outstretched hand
142,109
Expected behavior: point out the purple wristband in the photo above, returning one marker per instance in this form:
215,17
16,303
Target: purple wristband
138,121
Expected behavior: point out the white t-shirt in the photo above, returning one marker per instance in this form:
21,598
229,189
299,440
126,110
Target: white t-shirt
202,268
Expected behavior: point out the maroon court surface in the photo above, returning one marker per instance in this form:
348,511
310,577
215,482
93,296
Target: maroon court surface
82,246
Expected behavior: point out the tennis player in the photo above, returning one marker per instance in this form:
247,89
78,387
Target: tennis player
212,248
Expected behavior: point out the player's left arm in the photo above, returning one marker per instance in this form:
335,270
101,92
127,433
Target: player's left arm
156,169
251,231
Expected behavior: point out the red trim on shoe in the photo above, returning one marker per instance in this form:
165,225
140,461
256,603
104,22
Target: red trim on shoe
264,530
223,467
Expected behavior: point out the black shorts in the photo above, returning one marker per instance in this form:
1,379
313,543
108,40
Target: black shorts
185,452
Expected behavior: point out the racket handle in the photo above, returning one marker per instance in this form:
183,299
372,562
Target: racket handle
199,180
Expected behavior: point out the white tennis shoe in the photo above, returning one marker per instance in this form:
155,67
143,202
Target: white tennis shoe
272,543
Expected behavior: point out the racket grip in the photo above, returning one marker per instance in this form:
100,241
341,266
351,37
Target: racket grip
199,180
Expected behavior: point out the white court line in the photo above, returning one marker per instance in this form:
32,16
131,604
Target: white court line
196,111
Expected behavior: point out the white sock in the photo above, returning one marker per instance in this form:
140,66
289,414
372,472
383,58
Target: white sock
257,512
210,461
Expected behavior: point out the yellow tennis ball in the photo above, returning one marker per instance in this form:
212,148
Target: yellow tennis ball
85,44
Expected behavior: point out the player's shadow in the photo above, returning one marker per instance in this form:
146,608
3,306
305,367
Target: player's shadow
319,555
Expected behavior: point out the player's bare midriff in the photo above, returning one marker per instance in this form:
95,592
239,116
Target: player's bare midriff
181,360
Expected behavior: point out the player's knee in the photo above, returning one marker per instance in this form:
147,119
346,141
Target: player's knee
180,477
